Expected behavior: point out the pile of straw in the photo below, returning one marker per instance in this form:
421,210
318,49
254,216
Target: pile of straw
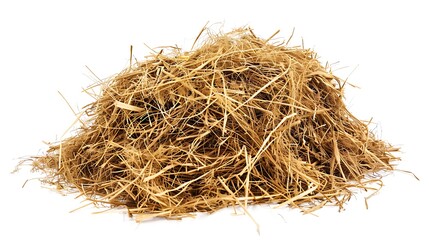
239,120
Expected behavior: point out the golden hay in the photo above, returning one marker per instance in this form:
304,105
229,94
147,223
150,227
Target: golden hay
239,120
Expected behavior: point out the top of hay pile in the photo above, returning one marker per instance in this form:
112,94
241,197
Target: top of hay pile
237,121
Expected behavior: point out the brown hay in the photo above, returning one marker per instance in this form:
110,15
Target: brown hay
237,121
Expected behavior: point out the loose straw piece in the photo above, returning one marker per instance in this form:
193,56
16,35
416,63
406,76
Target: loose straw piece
128,107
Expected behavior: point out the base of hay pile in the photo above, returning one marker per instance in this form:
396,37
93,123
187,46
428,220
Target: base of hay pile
237,121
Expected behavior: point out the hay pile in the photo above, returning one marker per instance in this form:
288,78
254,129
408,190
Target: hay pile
237,121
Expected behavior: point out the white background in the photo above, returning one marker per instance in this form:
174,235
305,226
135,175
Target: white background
45,45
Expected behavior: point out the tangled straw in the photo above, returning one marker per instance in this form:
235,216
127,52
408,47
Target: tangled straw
239,120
